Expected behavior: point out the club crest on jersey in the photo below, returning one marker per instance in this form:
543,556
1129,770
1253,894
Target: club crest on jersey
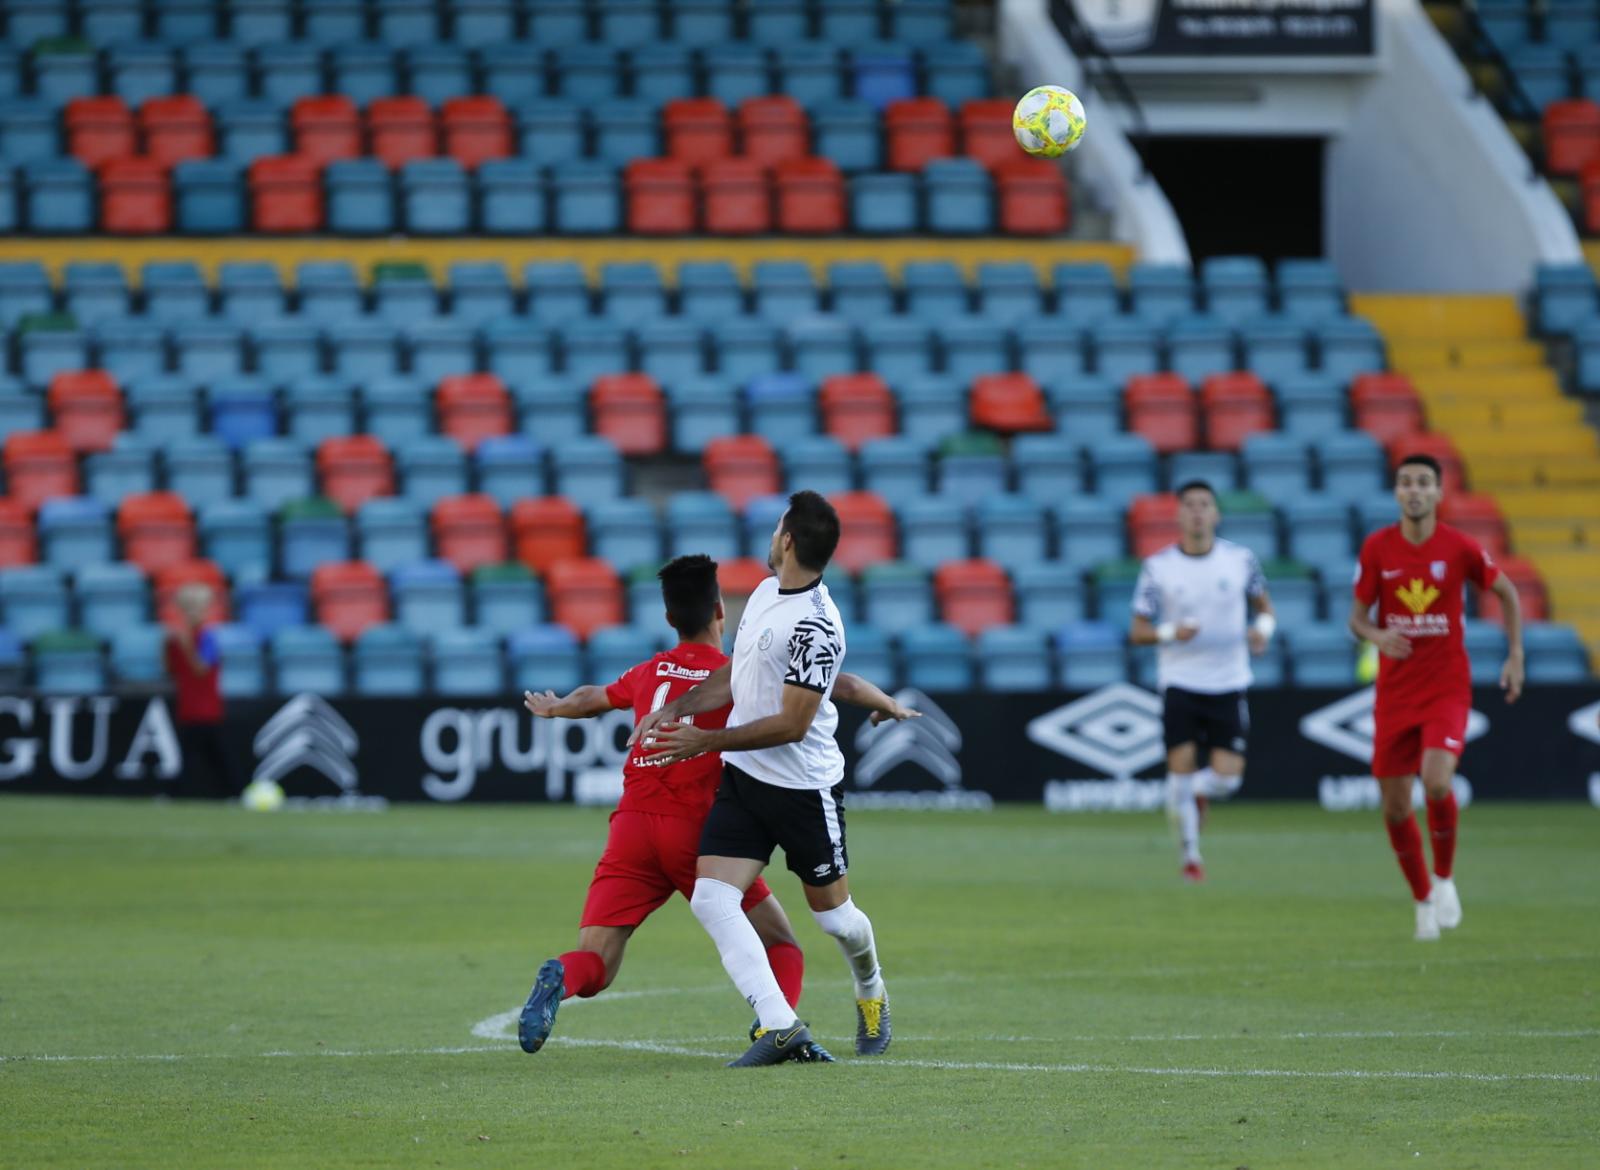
1438,570
766,638
1417,596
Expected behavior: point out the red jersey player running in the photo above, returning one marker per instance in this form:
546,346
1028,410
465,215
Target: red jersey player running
654,839
1413,573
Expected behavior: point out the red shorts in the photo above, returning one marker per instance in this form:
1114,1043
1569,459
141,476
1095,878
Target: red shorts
1400,737
647,857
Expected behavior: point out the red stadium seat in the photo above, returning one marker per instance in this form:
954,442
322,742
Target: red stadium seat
87,408
1236,406
738,199
473,407
353,469
349,596
630,411
476,129
156,530
1152,523
740,576
740,468
326,128
1531,593
986,133
286,194
1589,185
661,197
39,466
585,595
918,130
1034,199
773,129
1440,447
99,128
1479,517
1009,403
811,197
17,543
866,530
1571,135
174,577
401,129
1161,407
697,129
1386,406
135,199
468,531
547,531
973,595
176,127
857,407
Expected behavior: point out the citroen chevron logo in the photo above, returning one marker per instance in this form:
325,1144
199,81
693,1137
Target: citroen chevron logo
1116,730
930,743
307,732
1347,725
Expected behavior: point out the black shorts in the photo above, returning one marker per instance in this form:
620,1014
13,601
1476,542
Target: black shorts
750,818
1207,721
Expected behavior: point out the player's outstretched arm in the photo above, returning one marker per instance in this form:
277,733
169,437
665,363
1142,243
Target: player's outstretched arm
684,741
715,692
858,692
1511,674
583,703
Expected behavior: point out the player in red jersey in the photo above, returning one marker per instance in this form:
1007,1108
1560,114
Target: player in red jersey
1412,574
654,838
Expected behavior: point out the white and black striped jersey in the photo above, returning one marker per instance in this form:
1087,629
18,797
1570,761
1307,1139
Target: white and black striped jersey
788,638
1214,591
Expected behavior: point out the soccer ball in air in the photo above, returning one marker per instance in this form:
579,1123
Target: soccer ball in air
1048,121
262,796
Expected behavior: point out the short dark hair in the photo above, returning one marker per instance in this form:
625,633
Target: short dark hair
1421,460
689,587
814,525
1195,485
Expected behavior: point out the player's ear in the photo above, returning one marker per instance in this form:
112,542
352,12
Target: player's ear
721,611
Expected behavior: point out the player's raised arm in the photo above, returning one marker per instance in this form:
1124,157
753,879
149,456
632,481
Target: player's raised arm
715,692
583,703
1511,674
858,692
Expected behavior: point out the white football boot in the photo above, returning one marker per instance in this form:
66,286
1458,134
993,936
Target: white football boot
1446,903
1427,921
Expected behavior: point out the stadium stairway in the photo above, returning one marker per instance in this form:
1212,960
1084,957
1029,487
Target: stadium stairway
1487,386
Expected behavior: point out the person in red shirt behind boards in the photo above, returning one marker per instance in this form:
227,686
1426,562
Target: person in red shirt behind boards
1410,578
192,661
653,842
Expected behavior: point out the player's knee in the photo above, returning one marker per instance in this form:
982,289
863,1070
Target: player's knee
844,921
713,901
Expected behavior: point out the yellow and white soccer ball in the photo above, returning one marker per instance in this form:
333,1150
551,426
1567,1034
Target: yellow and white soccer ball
1048,121
262,796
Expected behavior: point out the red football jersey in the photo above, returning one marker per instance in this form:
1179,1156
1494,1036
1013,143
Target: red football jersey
684,789
1417,589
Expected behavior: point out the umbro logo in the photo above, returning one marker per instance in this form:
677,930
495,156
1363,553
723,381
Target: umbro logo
1583,723
1347,726
1116,730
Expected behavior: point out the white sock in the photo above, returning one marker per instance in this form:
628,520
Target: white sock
716,905
1214,786
853,929
1186,813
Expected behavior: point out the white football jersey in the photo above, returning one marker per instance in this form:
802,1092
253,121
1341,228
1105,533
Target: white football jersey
788,638
1211,591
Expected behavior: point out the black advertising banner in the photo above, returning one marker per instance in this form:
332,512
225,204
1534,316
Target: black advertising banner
1216,28
1100,751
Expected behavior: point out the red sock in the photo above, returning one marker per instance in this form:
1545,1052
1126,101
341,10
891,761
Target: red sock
586,974
788,964
1442,816
1407,841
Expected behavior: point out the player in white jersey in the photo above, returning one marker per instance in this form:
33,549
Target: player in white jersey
782,782
1191,602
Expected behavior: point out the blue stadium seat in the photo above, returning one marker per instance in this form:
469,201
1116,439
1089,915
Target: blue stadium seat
237,535
45,353
361,70
1256,530
406,298
551,131
24,289
895,467
1198,346
587,73
360,201
174,290
1048,467
208,350
784,289
1049,594
137,656
306,541
286,349
958,197
243,662
510,467
937,658
515,73
1322,655
1317,528
504,604
128,468
701,522
1309,290
896,597
701,410
276,471
625,532
28,21
1277,465
439,347
436,72
883,204
871,653
701,22
761,517
1486,648
662,73
185,20
615,650
821,346
932,406
1048,349
1294,598
1161,293
242,411
1349,346
387,660
1217,468
1085,293
58,197
1124,466
1015,658
671,351
557,22
289,71
846,131
480,292
736,71
111,597
709,291
935,290
594,348
268,607
1090,655
250,128
955,71
363,349
848,22
199,467
73,531
1012,530
1235,287
1275,348
428,596
644,606
435,197
1564,296
1352,463
20,408
260,22
517,350
933,529
128,348
973,347
1089,531
1555,653
65,72
27,130
588,468
746,349
627,23
1124,348
431,468
467,662
545,657
250,291
923,22
558,291
553,410
779,22
13,661
1310,405
781,406
971,476
1087,407
33,600
881,72
307,659
391,532
860,289
1543,71
406,22
141,70
898,348
818,462
630,291
808,71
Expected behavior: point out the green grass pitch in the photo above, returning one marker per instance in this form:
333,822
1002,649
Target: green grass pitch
205,987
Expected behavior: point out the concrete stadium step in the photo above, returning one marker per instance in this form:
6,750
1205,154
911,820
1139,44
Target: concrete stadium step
1533,382
1565,441
1418,356
1406,317
1492,473
1550,504
1449,413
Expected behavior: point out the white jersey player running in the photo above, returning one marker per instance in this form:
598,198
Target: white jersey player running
1191,601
